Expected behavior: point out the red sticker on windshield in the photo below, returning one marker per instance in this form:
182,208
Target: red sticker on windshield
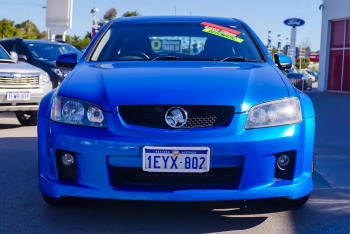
221,27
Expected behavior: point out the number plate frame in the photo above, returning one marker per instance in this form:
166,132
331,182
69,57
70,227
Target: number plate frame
206,163
18,99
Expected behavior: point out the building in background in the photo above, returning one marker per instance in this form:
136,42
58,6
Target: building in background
335,45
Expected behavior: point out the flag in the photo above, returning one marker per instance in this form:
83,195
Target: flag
94,28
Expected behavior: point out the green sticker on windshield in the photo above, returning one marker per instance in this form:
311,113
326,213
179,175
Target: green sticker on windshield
222,34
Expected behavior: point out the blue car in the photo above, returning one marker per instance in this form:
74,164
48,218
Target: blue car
176,109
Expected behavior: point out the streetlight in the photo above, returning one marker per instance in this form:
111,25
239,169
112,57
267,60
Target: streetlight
94,25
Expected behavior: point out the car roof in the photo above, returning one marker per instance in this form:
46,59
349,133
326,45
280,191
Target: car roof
172,18
43,41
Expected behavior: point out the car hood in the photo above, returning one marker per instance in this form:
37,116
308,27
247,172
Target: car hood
19,67
239,84
50,63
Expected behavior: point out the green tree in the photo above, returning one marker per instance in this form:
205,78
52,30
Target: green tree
110,14
131,13
304,63
75,39
6,28
42,35
82,44
88,34
29,29
69,39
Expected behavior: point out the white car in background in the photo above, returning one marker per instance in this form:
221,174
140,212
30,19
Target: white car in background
22,86
310,75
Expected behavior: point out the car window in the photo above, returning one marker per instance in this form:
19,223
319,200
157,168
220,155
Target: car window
50,52
3,54
19,49
185,40
8,45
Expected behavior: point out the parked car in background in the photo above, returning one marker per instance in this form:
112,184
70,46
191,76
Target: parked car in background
300,80
313,75
42,54
22,87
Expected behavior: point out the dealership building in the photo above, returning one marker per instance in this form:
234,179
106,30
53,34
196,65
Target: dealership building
335,46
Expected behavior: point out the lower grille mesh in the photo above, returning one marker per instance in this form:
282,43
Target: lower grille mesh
122,176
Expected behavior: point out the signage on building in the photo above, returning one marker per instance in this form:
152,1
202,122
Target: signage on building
294,22
314,57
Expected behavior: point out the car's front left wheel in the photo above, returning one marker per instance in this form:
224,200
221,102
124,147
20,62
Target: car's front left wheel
27,118
62,201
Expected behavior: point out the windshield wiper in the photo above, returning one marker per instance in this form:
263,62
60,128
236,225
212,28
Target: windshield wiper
166,58
239,59
234,59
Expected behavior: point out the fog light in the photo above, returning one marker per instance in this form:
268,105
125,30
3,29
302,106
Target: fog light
67,159
283,162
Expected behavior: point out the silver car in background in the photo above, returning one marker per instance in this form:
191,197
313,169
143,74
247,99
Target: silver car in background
22,86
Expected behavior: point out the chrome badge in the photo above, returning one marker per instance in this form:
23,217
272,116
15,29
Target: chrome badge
16,75
176,117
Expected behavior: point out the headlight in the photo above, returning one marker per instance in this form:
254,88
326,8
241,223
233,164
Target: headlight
71,111
61,72
44,78
275,113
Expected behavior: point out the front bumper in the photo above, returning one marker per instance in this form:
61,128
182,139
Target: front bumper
121,145
37,92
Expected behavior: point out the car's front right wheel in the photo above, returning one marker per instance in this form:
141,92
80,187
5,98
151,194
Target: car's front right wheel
62,201
27,118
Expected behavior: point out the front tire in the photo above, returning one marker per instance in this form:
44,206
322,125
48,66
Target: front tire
62,201
294,203
27,118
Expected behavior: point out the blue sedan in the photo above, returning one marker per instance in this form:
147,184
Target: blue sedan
176,109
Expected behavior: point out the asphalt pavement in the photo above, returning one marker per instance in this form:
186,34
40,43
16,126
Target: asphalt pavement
327,211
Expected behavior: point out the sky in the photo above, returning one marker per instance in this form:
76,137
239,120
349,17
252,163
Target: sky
261,15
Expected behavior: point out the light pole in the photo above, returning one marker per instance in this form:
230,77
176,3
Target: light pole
94,25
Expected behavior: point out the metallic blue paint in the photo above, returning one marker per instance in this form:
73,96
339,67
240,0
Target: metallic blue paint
241,84
67,60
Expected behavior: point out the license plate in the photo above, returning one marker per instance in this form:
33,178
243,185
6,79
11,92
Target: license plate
176,159
22,95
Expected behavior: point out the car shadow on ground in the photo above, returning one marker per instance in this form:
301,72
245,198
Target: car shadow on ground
9,126
166,217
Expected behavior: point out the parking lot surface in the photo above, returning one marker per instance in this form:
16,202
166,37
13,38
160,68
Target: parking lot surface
327,211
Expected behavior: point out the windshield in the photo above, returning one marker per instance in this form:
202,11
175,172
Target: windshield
3,54
176,41
50,52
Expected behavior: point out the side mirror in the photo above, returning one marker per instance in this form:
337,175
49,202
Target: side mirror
14,56
67,60
283,61
22,57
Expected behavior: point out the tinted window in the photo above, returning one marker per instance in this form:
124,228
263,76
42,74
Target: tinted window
8,45
19,49
3,54
50,52
185,40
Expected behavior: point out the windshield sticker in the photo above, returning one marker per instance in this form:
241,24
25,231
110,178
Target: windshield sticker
235,32
222,32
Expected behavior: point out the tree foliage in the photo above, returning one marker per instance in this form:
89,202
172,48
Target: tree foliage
110,14
29,29
6,28
131,13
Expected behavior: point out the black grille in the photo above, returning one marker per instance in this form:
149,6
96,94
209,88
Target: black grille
216,177
153,116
